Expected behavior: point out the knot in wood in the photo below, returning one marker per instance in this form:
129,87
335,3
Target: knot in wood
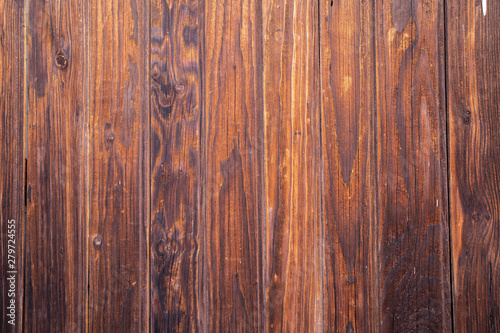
98,241
111,137
61,59
179,87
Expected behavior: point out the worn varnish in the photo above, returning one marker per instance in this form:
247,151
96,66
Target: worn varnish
473,43
251,166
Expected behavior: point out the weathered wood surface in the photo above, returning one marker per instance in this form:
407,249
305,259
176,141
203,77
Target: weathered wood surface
294,259
348,104
412,202
473,43
56,231
118,166
256,166
12,163
175,97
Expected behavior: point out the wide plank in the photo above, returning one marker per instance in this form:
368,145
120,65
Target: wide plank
231,274
12,167
294,266
175,93
412,200
473,44
119,166
348,104
57,173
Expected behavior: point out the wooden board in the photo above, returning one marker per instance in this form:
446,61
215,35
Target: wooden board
175,94
473,41
119,166
294,263
233,165
384,148
12,164
57,117
349,173
231,271
412,202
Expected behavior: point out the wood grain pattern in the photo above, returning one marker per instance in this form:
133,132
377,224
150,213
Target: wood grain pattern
12,167
294,262
473,40
175,164
348,109
56,230
257,166
231,256
411,162
119,166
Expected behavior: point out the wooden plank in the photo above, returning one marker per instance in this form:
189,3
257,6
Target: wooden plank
175,94
412,197
348,111
473,40
294,249
119,166
12,167
56,233
232,231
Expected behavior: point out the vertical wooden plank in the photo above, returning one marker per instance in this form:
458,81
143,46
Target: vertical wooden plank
12,167
473,40
56,229
348,107
412,163
119,166
294,263
231,259
175,94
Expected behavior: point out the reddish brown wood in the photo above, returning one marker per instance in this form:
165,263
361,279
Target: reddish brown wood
57,174
294,267
119,166
175,93
473,40
12,164
412,200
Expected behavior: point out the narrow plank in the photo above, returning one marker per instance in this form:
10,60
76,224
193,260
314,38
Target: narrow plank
119,166
348,110
473,40
412,167
232,231
12,167
294,255
175,94
56,229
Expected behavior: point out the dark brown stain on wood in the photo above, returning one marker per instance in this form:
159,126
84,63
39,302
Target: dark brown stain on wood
473,40
256,166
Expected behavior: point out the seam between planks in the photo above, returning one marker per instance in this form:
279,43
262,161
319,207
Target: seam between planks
448,171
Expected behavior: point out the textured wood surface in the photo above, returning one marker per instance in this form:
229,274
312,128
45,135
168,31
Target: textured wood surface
349,172
251,166
56,231
293,239
119,166
473,40
12,162
231,266
175,96
411,165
